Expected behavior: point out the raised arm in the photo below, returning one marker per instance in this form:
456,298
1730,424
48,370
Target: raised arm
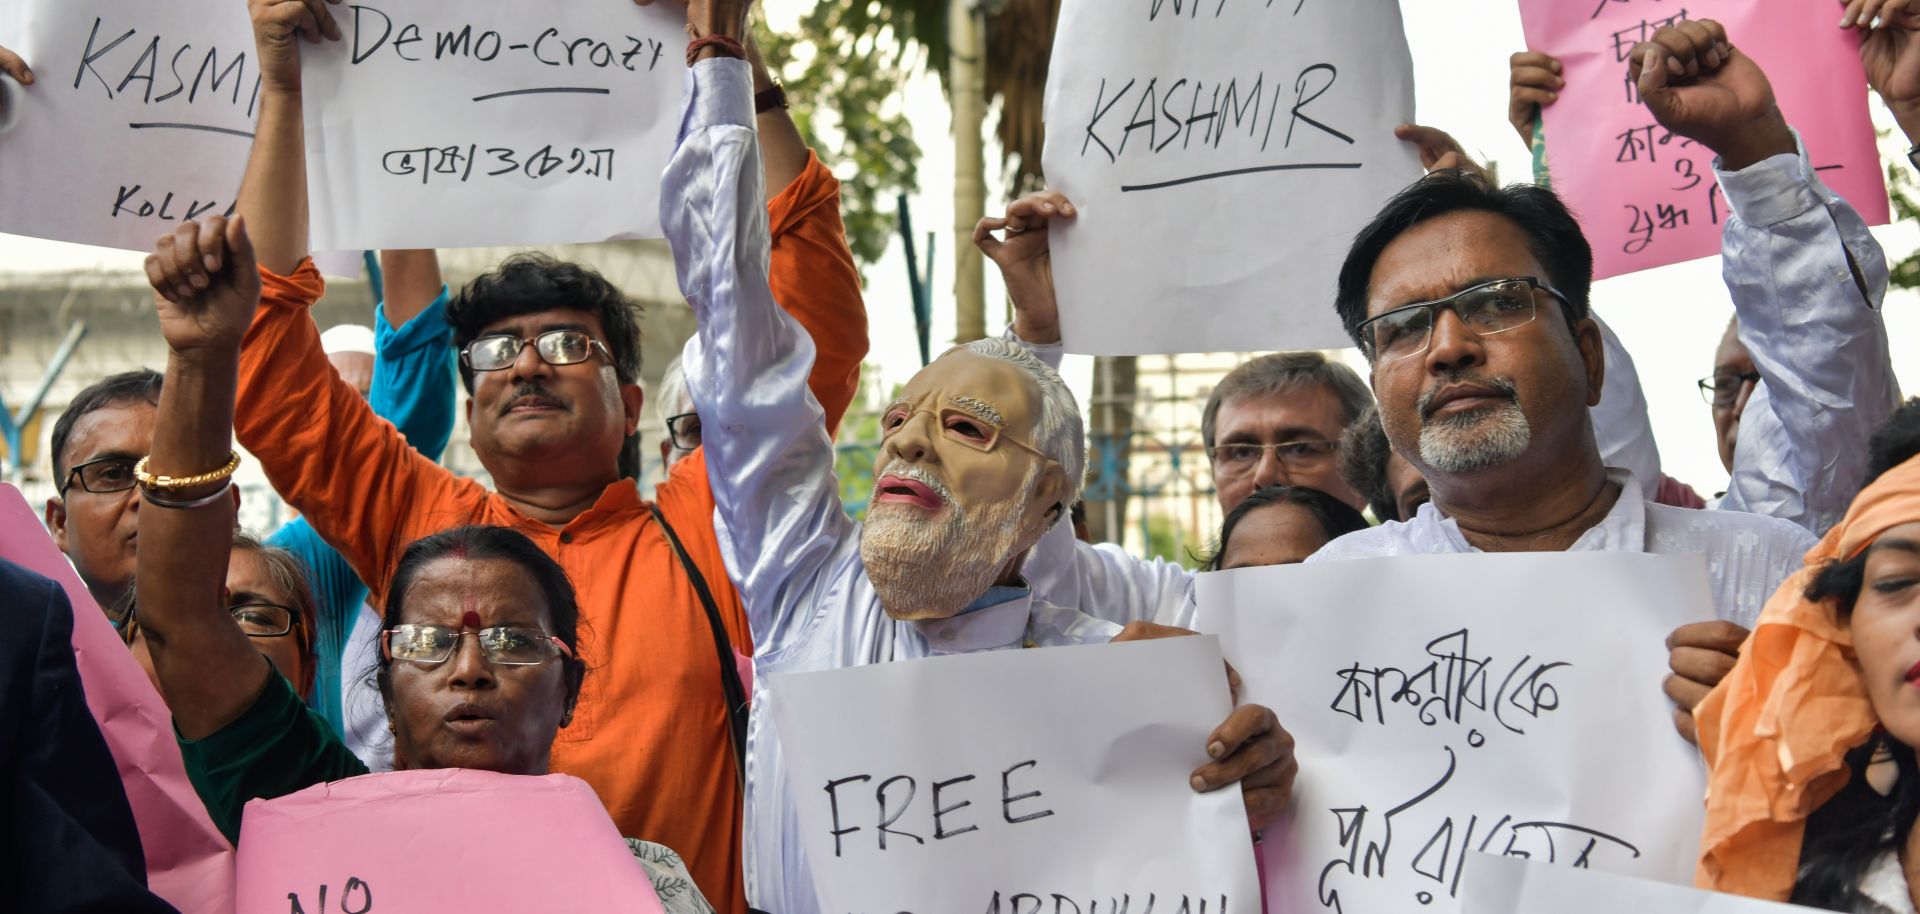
273,195
769,458
294,413
207,287
413,371
1102,581
813,272
1806,276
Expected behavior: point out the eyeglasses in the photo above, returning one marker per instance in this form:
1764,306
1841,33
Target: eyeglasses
556,347
1486,309
1240,459
961,426
103,476
506,645
684,429
1721,390
263,620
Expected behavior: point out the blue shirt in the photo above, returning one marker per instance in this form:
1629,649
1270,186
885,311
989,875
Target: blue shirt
413,380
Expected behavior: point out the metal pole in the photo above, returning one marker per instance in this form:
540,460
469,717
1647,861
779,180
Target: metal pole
16,459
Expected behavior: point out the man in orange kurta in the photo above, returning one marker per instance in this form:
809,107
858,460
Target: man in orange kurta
650,732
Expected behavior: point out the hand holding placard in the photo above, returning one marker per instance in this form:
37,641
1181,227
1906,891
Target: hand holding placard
1535,83
278,27
11,65
1892,58
1025,259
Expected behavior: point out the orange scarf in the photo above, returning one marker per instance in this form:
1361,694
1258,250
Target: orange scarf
1777,730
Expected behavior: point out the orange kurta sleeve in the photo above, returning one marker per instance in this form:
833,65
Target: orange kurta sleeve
815,279
350,472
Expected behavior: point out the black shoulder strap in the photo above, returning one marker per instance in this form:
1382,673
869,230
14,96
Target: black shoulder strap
730,684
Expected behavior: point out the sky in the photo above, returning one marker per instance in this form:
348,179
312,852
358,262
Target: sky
1670,318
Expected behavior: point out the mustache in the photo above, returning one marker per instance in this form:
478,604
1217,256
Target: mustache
1501,385
530,390
917,474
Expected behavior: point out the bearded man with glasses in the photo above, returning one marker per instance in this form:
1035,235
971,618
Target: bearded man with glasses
1470,302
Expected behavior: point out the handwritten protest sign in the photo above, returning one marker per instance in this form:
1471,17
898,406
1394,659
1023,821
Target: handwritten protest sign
189,863
1446,705
140,118
1008,781
491,122
1648,198
1221,155
1511,885
445,839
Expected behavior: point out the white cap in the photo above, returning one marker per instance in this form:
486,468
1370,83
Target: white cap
347,338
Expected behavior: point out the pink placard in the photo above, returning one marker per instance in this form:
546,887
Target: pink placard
447,839
189,863
1648,198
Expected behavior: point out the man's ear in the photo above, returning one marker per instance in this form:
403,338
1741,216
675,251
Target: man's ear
1050,495
57,521
469,414
633,398
1593,352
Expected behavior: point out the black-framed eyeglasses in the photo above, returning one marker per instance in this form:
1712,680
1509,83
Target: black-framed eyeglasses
556,347
684,429
506,645
1296,456
1486,309
104,476
263,620
1721,390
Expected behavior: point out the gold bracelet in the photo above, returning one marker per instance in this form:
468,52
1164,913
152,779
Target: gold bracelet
170,484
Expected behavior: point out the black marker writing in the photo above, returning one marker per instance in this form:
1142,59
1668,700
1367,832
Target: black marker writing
899,810
356,897
1452,682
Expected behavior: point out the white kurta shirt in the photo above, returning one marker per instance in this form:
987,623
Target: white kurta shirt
794,553
1748,555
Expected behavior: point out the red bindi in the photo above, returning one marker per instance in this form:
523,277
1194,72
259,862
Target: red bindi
471,619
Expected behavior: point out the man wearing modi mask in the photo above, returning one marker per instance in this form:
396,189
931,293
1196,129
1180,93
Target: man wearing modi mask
982,453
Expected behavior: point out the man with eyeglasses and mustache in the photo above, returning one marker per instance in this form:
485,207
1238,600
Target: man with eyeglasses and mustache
1470,303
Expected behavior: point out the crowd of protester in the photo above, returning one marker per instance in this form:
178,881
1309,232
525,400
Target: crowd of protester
555,621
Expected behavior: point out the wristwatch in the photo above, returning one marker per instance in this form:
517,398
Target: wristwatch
775,97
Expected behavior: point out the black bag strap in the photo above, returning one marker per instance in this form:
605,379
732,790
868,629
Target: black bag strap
730,685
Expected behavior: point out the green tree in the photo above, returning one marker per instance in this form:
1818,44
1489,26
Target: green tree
843,67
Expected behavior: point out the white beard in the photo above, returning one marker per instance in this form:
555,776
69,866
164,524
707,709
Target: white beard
931,568
1476,440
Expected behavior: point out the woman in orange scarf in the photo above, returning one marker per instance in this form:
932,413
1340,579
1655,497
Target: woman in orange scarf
1814,789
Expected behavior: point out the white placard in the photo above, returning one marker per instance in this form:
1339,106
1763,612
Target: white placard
492,122
1012,781
1447,705
140,117
1511,885
1222,154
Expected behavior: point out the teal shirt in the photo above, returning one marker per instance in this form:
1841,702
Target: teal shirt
413,387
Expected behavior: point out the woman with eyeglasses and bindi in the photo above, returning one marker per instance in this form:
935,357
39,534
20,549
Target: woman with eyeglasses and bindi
479,664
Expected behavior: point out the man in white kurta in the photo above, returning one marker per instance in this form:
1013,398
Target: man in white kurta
986,439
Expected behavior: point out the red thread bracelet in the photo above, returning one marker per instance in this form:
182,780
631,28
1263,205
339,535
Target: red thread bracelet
722,43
